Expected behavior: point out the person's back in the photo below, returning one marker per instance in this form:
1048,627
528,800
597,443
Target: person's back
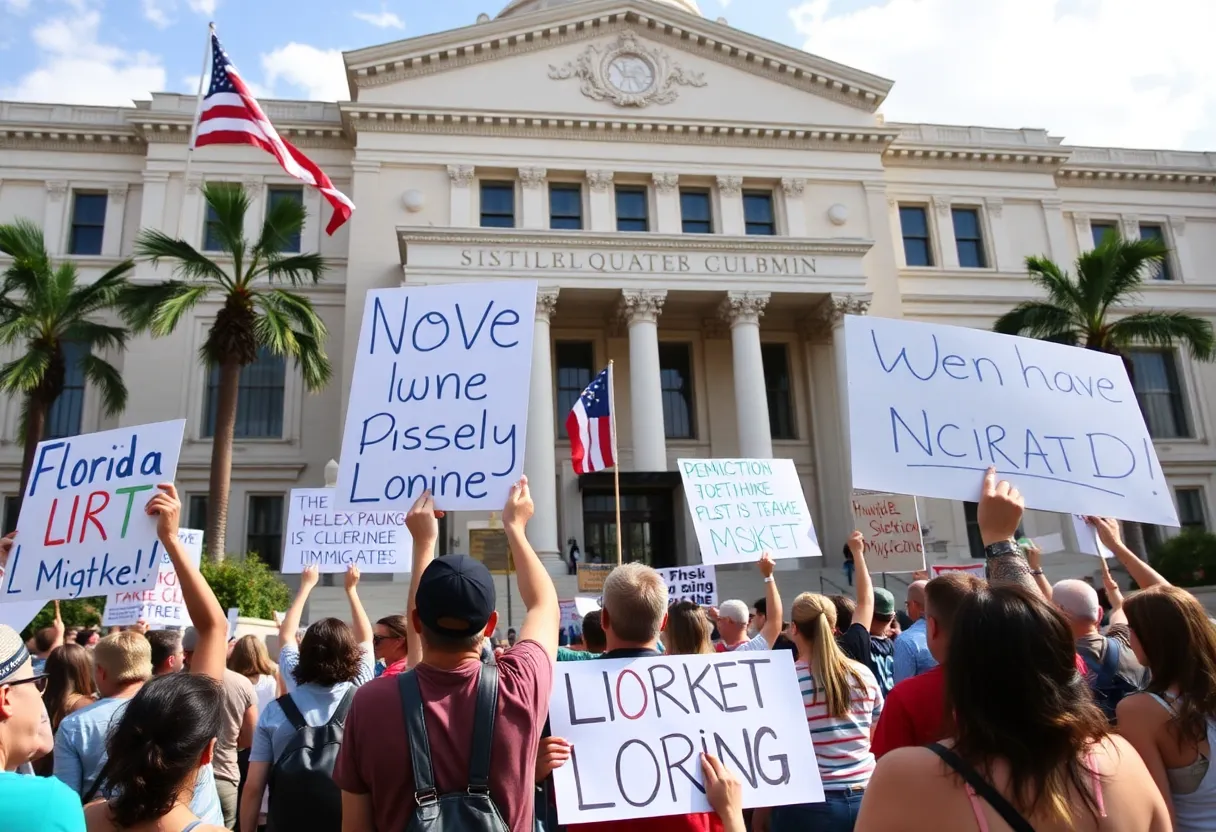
38,804
1112,669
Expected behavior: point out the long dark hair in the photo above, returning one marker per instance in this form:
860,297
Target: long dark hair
154,751
1013,687
329,654
69,670
1179,644
688,629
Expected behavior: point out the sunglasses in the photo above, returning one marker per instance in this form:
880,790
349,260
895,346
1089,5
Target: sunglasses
39,682
378,639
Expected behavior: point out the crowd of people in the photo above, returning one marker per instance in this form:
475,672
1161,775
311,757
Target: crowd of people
1002,703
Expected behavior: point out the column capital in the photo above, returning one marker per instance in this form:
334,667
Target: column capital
666,183
995,205
154,176
1178,225
193,184
365,166
830,314
461,175
600,180
118,190
533,178
252,185
56,190
743,307
641,306
942,204
731,186
1052,203
1130,226
793,185
546,302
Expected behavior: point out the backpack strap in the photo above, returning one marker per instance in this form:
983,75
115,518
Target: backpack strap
415,729
483,729
291,712
339,717
982,788
97,784
1110,662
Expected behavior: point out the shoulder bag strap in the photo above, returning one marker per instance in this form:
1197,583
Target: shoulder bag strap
1110,662
339,717
483,729
93,789
291,711
982,788
415,728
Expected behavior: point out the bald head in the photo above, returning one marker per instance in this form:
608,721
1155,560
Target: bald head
916,600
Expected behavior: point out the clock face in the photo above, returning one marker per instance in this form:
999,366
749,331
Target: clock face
631,74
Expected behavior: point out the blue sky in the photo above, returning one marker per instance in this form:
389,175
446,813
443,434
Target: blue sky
1083,69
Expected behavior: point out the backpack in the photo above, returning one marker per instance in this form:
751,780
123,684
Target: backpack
303,794
1107,685
471,810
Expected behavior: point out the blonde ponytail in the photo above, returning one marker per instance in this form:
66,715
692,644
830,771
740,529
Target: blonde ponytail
815,618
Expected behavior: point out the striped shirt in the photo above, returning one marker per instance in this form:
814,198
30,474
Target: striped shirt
842,745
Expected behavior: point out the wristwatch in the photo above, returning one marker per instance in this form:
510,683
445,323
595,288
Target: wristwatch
1001,547
769,579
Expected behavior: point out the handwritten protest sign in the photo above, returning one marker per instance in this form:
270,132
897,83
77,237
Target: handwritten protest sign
698,584
1087,539
162,606
19,614
591,576
931,407
83,527
891,525
639,726
572,612
976,569
439,398
743,508
330,538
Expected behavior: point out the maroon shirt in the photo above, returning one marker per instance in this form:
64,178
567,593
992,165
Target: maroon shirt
375,756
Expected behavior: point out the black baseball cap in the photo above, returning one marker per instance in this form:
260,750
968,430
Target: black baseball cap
456,596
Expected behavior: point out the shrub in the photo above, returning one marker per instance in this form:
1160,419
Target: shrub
246,583
1187,559
76,612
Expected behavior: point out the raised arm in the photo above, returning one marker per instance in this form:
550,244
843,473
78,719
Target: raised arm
423,524
360,623
1143,574
772,599
1034,558
291,621
1114,595
535,586
864,614
999,513
206,614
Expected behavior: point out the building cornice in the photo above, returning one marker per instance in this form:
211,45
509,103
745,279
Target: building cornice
1113,167
943,145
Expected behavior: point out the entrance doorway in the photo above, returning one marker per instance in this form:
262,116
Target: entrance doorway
647,526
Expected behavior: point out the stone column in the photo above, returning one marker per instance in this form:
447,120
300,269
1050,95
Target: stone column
461,195
667,204
998,254
640,310
946,245
1057,231
190,225
601,202
1129,226
1084,233
255,189
730,193
54,218
535,197
116,215
794,189
742,310
540,458
1181,254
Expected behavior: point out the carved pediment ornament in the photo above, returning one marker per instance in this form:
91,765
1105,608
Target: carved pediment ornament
628,73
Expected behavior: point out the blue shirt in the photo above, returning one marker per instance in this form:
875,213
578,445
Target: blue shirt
317,704
39,666
80,752
289,659
912,656
38,804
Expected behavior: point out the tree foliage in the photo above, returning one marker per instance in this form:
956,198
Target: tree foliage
247,583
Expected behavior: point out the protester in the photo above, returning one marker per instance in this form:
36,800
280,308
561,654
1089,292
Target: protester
593,641
511,637
46,640
158,774
250,659
914,713
732,616
239,717
69,685
88,638
167,653
865,639
686,631
850,565
759,615
912,655
326,668
451,609
845,608
389,638
1173,724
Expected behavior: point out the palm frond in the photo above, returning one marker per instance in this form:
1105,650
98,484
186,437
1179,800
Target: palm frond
22,240
288,325
284,221
102,293
157,247
1113,272
298,269
229,204
159,307
1057,283
26,372
315,369
1035,319
105,377
94,335
1165,329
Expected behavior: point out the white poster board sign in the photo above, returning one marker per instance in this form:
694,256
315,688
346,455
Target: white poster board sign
743,508
19,614
931,407
573,610
698,584
638,727
976,569
1087,539
439,398
1050,543
330,538
163,605
233,614
891,525
83,527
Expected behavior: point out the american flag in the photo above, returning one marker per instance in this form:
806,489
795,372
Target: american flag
589,426
231,115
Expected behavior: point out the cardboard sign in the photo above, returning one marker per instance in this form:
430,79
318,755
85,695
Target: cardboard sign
639,726
698,584
591,576
1087,539
743,508
439,398
891,525
931,407
976,569
83,527
572,612
330,538
163,605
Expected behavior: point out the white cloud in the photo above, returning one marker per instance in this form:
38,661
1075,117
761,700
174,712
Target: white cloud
205,7
17,6
77,68
320,74
1088,70
381,20
156,13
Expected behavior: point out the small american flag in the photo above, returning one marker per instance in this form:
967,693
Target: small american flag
231,115
589,426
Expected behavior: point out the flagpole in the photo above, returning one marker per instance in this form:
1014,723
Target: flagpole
616,462
198,112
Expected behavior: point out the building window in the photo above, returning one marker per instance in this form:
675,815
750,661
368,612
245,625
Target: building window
259,408
88,223
696,213
1161,271
211,225
1100,230
776,358
575,369
1191,514
566,206
758,213
264,535
497,204
196,512
969,239
675,370
63,419
1155,380
632,209
12,508
287,194
914,224
975,540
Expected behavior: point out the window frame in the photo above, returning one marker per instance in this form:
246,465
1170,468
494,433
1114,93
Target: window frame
979,240
11,508
1182,410
930,255
790,401
708,223
688,391
567,187
1106,225
273,561
271,190
1201,498
498,185
192,503
205,238
752,193
77,391
641,190
564,406
210,389
1165,270
73,224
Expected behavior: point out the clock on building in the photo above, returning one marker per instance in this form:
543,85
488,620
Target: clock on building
631,74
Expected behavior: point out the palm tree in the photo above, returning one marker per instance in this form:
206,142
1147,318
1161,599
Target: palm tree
255,313
1086,311
42,308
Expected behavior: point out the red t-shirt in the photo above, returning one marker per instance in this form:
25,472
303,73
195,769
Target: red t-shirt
704,822
913,713
395,668
375,756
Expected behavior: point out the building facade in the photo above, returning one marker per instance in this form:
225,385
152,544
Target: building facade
699,205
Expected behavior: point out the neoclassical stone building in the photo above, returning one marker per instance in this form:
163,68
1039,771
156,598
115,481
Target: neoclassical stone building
700,205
